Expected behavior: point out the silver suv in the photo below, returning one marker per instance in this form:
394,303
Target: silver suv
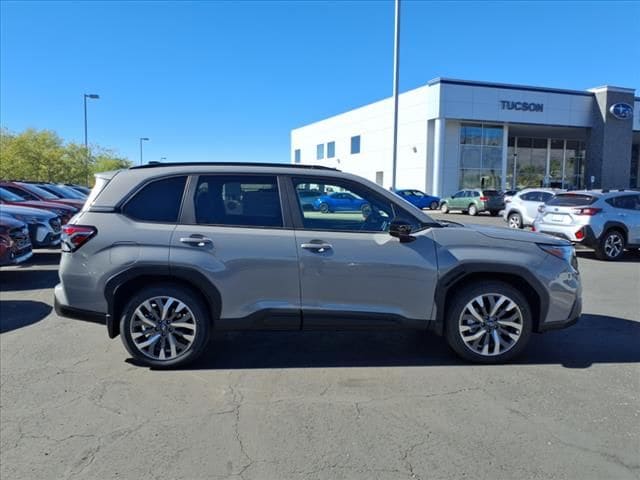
521,209
165,253
607,221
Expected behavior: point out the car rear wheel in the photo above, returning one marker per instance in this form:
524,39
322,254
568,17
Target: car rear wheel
514,220
324,208
165,326
494,213
472,210
433,205
611,245
444,208
488,322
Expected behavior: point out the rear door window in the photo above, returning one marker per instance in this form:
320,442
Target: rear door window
238,200
572,200
626,202
158,201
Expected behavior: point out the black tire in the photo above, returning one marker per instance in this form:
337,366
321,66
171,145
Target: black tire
611,245
200,315
444,208
514,220
458,304
472,210
494,213
433,205
324,208
365,210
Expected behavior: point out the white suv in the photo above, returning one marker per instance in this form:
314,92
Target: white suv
521,209
607,221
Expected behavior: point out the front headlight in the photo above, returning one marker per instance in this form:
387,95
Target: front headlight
564,252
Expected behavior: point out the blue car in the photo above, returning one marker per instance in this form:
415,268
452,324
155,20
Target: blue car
420,199
340,202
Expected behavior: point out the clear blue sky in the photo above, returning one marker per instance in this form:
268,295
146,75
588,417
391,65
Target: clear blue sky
228,81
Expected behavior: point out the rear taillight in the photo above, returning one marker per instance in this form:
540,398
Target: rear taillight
533,228
484,199
586,211
74,236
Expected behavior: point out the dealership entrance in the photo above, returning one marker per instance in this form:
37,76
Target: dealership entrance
545,157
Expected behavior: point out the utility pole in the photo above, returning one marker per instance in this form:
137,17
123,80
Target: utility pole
396,78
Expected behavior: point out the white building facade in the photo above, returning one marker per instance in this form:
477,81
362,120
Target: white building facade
455,134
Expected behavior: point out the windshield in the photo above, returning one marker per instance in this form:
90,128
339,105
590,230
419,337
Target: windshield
7,196
41,192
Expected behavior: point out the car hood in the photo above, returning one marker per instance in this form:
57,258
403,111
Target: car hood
27,211
10,222
67,201
501,233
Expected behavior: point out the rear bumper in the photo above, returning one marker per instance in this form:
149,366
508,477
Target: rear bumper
64,310
569,233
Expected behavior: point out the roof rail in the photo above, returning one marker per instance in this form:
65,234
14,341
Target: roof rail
232,164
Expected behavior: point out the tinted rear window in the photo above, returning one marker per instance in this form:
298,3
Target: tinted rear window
491,193
571,200
158,201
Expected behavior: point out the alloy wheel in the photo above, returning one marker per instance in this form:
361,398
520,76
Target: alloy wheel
490,324
613,245
514,221
163,328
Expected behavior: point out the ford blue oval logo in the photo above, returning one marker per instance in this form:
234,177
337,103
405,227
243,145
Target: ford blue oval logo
621,111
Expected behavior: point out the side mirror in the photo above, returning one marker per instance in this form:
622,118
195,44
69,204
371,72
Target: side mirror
401,229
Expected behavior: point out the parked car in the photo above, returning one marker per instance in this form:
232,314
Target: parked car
607,221
420,199
507,194
15,246
339,202
44,226
32,192
62,191
474,201
522,208
79,188
272,265
65,212
308,197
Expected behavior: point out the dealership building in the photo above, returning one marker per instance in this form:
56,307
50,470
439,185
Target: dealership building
456,134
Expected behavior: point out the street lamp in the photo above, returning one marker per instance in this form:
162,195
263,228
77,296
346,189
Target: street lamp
142,139
92,96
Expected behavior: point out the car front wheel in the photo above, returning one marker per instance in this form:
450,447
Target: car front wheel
165,326
488,322
324,208
444,208
611,245
433,205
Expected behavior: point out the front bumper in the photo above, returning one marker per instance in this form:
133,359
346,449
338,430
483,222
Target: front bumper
43,236
574,316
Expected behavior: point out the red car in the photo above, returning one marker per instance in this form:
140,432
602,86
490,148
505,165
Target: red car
33,192
65,212
15,246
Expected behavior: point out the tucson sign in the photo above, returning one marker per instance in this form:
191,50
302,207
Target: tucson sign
523,106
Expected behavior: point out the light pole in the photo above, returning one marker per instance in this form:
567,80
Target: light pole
396,77
142,139
92,96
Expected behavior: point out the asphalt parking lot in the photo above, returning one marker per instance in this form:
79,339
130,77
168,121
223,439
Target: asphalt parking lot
321,405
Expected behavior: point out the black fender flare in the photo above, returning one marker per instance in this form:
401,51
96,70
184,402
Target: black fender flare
464,270
190,276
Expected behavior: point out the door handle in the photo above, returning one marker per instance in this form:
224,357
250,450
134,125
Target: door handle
197,240
319,247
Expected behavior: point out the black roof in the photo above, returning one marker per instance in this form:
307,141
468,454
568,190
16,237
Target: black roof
231,164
